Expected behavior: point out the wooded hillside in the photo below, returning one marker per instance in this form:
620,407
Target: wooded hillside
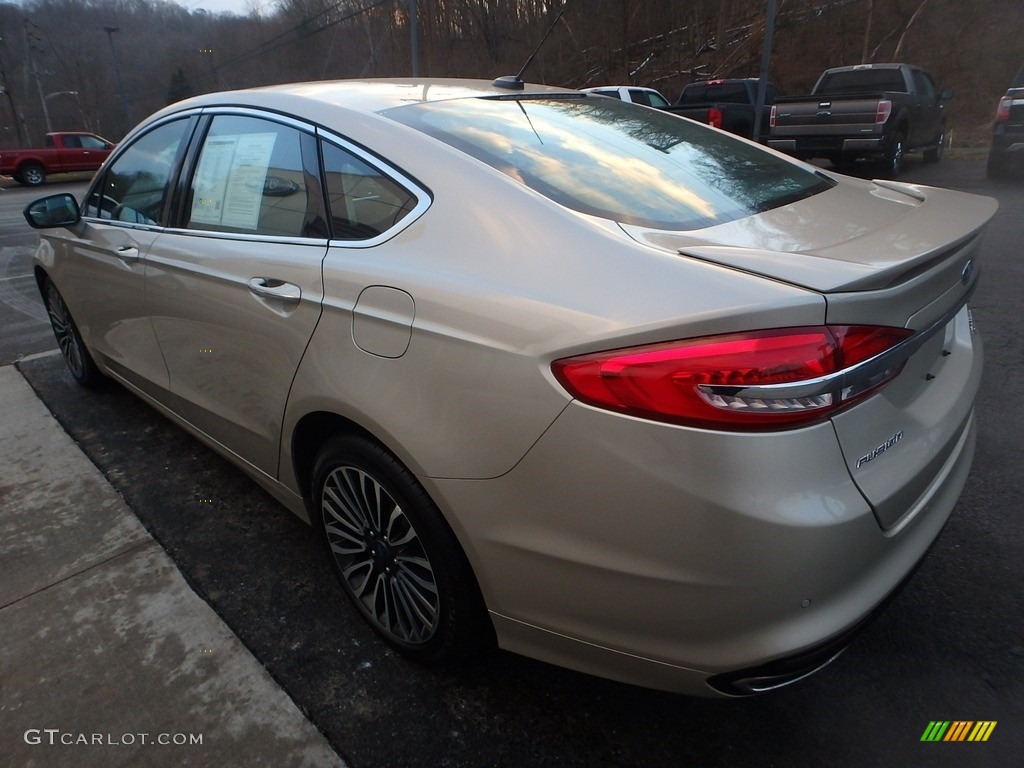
57,57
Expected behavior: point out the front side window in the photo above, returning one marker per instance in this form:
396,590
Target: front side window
92,142
135,187
258,177
605,158
647,98
923,83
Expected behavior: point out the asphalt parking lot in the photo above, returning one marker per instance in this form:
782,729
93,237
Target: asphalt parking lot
950,647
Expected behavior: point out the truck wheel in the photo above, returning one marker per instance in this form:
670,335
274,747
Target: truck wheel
895,156
31,175
934,153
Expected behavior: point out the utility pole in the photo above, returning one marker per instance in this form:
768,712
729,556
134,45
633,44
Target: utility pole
120,85
6,89
415,44
29,47
766,59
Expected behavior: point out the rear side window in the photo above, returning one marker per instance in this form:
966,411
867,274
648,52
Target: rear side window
257,177
363,202
608,159
134,188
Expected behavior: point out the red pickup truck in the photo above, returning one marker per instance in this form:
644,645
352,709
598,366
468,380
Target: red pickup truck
65,152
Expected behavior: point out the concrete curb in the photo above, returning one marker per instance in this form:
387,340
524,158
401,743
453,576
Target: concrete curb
107,657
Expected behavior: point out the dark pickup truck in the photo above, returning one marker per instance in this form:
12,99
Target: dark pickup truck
64,152
1007,151
726,104
878,111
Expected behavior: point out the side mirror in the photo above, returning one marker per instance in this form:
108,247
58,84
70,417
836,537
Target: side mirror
946,94
53,211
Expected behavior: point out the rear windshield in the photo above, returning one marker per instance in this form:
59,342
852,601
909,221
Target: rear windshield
862,81
617,161
725,93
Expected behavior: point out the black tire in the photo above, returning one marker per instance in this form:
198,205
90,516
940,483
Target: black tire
997,165
395,556
934,153
895,155
83,368
31,175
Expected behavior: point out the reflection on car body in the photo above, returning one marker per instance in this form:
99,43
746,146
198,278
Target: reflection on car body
543,367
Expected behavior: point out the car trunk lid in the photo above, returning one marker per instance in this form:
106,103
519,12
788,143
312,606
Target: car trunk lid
901,256
858,236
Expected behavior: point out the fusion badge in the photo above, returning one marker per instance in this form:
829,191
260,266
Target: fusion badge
872,455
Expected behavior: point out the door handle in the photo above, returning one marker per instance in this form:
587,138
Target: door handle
128,253
269,288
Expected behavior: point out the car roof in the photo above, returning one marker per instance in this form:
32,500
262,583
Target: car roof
372,95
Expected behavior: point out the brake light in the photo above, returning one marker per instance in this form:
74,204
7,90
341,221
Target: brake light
771,117
883,111
759,380
1003,110
715,117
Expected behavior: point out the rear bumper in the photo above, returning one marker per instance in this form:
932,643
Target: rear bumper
831,146
781,672
1008,142
688,561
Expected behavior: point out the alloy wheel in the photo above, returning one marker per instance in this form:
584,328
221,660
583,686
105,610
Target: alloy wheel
64,330
380,556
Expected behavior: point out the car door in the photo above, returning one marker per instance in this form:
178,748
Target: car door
235,290
102,273
928,115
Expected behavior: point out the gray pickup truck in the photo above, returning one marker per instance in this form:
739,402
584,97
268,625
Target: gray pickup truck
878,111
1007,152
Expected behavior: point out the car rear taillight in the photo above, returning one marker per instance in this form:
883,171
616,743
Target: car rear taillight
1003,110
715,117
883,111
759,380
771,117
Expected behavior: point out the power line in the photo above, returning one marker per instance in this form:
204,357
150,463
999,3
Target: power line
278,41
266,47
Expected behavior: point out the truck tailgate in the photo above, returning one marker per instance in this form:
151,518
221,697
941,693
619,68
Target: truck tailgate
827,116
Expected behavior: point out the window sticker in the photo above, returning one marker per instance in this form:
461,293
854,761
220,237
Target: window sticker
229,180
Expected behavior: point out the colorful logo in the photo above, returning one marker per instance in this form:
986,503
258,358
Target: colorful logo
958,730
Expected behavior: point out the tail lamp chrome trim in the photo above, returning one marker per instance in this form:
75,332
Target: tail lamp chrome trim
848,382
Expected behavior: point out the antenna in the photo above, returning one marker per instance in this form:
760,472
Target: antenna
515,82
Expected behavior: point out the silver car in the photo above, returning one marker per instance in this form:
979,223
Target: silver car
617,390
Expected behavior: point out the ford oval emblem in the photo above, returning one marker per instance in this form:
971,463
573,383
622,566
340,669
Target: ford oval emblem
967,271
